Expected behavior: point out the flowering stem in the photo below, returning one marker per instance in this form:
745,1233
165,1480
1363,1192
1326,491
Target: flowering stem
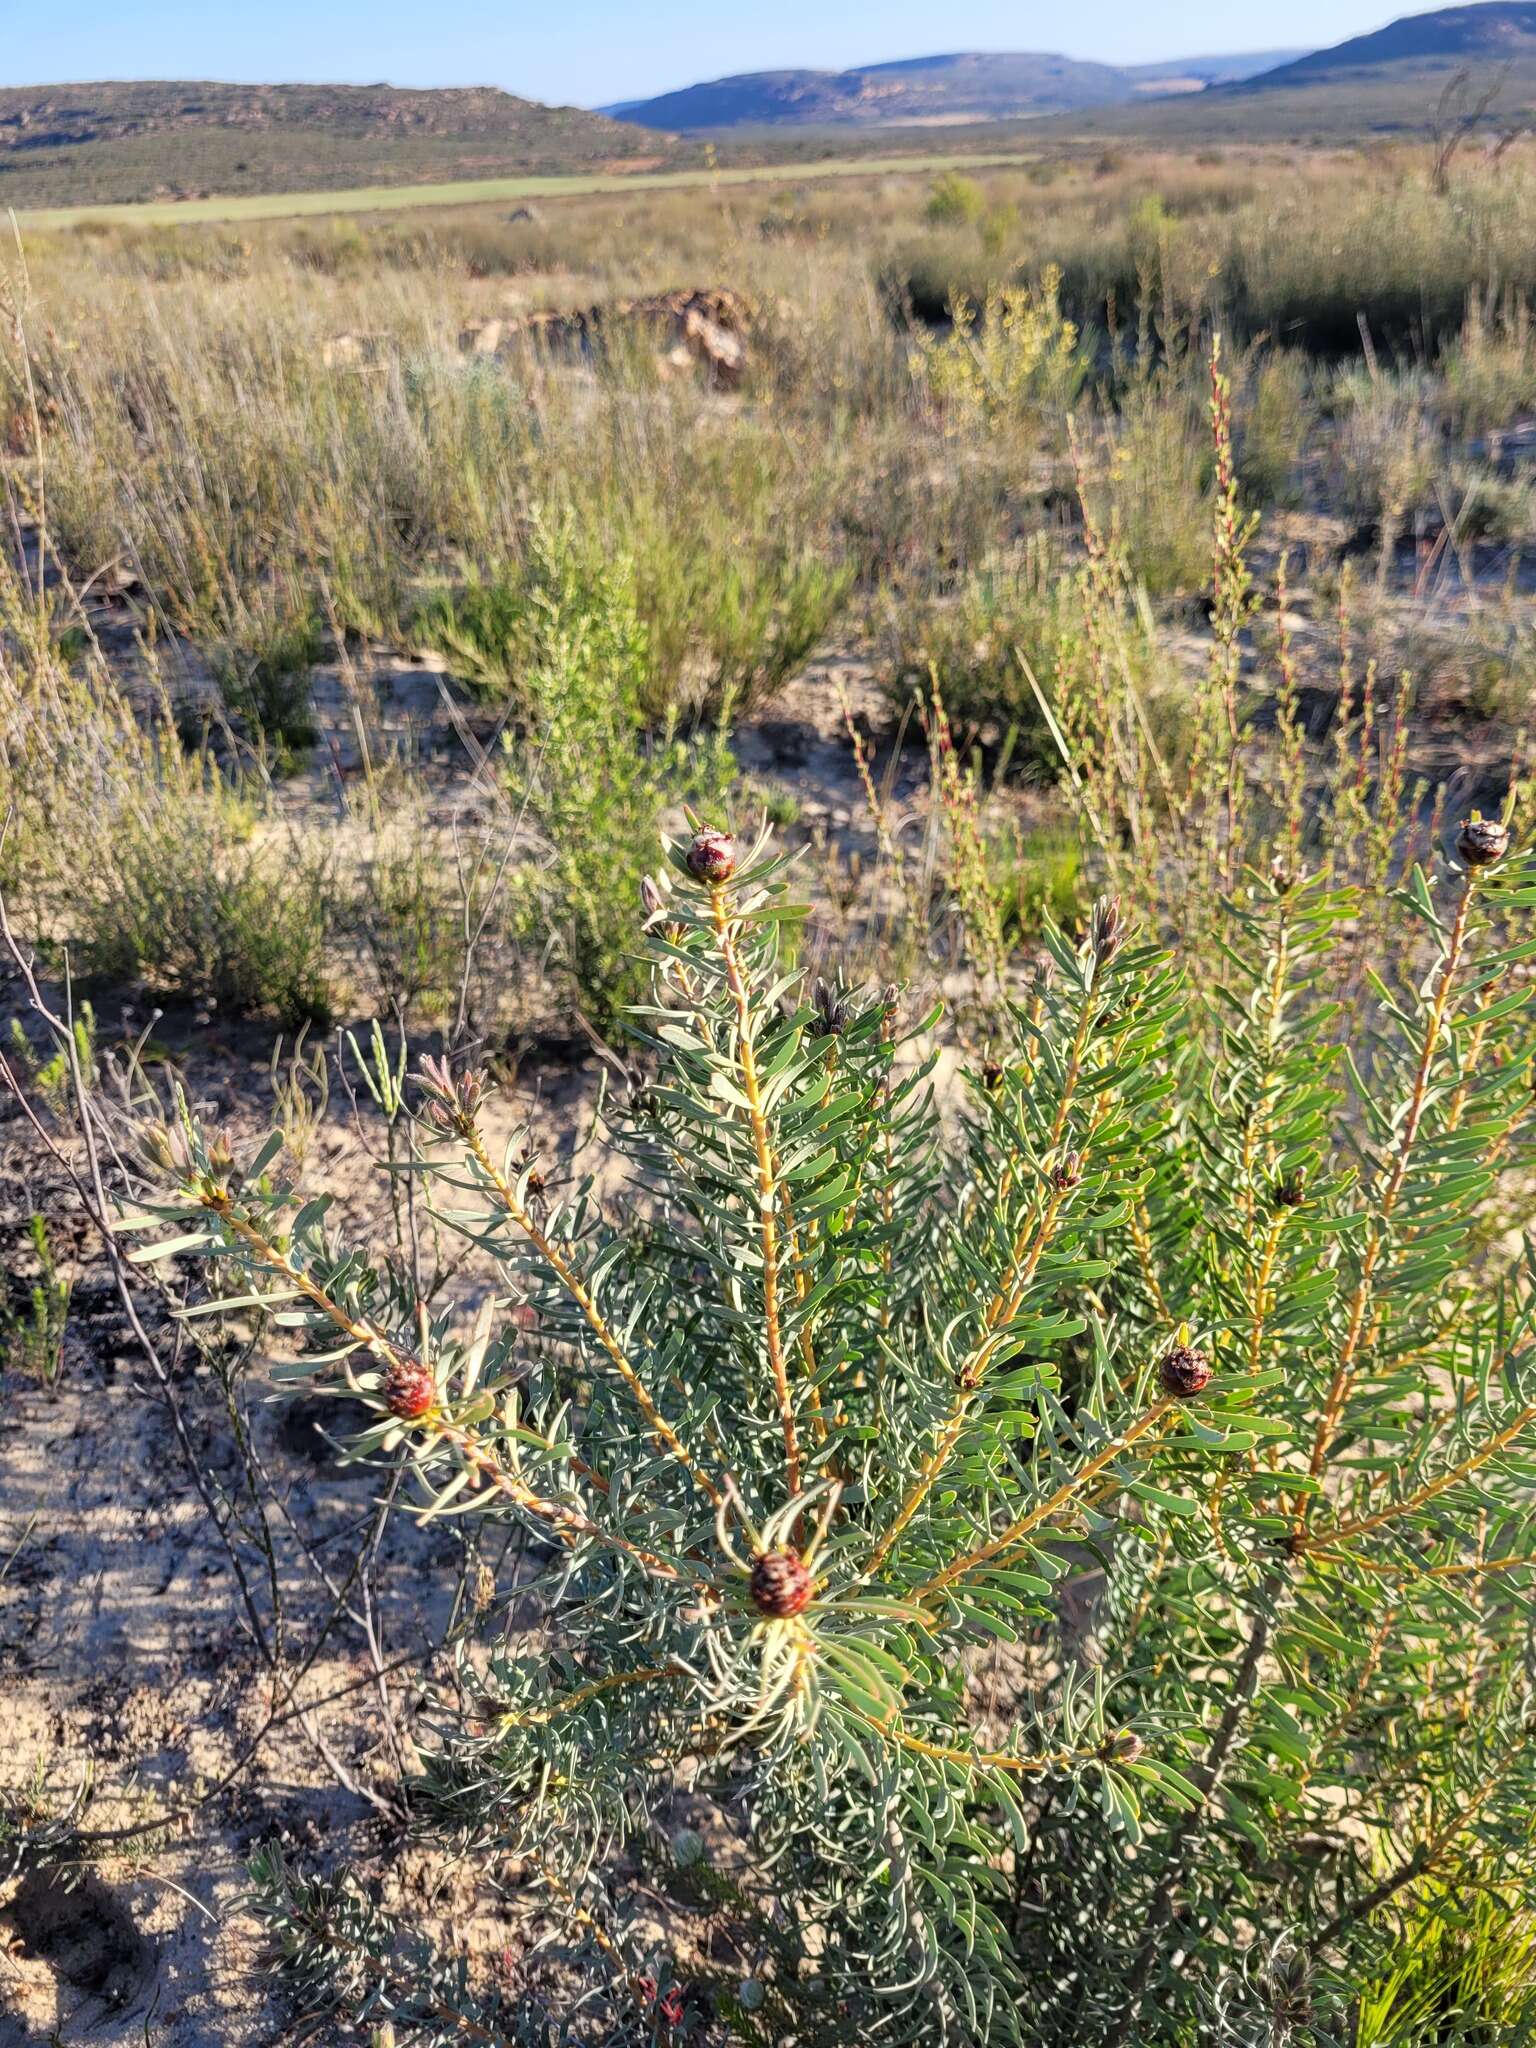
1343,1376
567,1522
1052,1504
571,1280
767,1183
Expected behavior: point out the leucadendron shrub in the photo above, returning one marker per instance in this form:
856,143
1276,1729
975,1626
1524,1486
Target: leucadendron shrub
1060,1579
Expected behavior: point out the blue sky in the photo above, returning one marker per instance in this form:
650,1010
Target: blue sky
590,51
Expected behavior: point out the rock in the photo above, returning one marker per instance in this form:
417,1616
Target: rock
723,351
483,337
357,351
706,329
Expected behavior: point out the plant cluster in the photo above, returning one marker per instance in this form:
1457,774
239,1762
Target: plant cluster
1015,356
1016,1587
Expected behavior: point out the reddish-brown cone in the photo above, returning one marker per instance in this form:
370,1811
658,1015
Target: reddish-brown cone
1482,841
712,856
1184,1371
780,1585
409,1389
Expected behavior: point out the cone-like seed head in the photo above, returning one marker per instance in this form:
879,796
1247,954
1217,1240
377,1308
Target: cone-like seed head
712,856
1291,1190
780,1585
1184,1371
992,1073
1482,841
409,1389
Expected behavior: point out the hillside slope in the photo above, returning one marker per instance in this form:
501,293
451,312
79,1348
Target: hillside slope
1494,33
1387,83
85,144
966,86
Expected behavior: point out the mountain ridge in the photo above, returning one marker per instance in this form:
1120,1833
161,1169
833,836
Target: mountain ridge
148,138
956,86
1496,31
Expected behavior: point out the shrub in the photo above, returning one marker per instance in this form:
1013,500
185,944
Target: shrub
975,645
1490,368
196,905
1382,452
1070,1588
590,780
1274,425
35,1319
1154,492
144,861
264,670
955,201
726,617
1018,358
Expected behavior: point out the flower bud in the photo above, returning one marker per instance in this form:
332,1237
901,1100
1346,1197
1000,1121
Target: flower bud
1290,1190
1123,1748
712,856
1106,930
453,1099
781,1585
688,1847
1184,1372
409,1389
1067,1172
166,1150
1482,841
833,1007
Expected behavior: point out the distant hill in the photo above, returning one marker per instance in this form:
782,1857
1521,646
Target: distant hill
966,87
1495,33
1385,83
62,145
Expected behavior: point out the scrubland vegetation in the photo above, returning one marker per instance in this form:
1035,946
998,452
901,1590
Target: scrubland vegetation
931,932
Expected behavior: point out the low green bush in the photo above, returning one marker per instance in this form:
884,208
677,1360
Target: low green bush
198,905
1061,1579
590,779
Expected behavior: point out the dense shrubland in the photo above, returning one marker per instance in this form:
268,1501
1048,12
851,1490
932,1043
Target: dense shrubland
269,504
1018,1525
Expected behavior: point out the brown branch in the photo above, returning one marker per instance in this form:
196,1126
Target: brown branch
1051,1505
1343,1375
569,1524
767,1182
570,1279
